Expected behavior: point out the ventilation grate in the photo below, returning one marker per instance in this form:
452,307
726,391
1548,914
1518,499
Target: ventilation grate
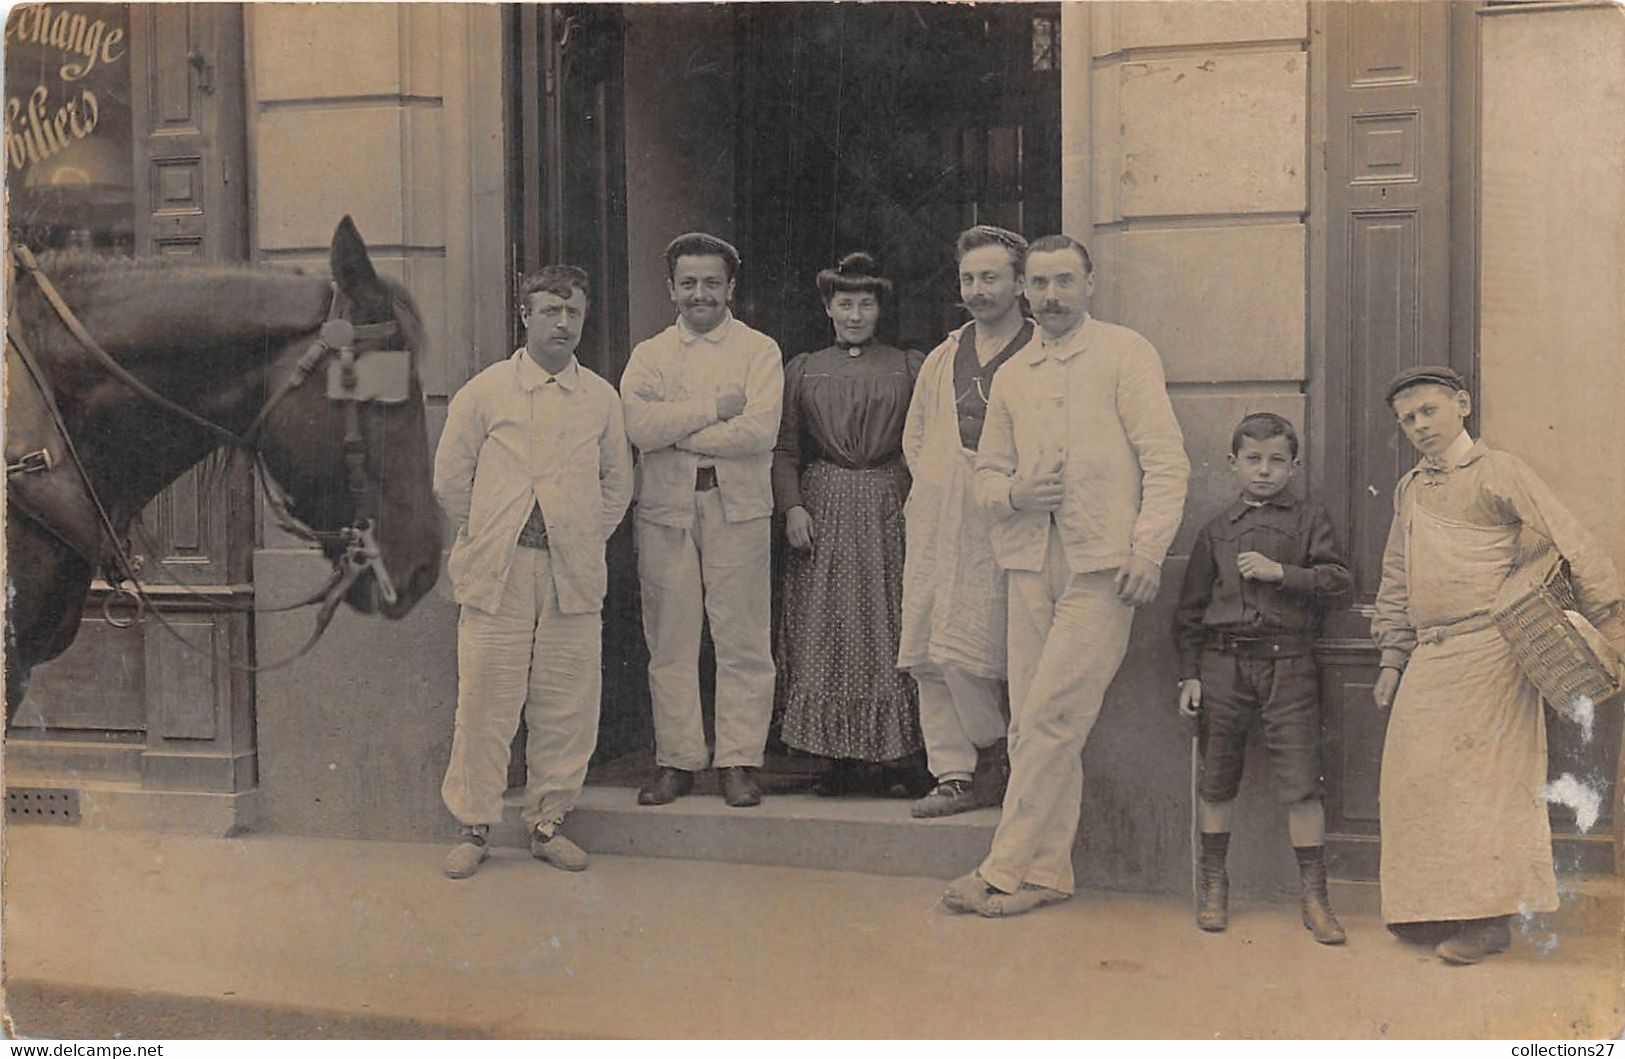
42,805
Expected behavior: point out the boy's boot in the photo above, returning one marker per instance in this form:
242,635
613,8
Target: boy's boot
1318,916
1213,903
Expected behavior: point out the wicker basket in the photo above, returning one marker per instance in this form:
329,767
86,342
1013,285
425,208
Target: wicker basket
1546,645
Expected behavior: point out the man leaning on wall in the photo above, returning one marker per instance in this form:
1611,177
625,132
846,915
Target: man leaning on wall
1082,466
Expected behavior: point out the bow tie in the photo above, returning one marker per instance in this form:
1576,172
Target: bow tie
1434,469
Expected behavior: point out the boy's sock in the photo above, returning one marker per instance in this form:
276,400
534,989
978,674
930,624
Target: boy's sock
1318,916
1213,903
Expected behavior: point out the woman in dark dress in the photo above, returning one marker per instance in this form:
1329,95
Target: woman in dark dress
840,481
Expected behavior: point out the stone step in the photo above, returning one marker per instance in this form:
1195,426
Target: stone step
67,757
115,804
879,837
873,836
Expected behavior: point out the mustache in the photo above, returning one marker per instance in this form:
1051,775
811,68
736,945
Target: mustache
1050,307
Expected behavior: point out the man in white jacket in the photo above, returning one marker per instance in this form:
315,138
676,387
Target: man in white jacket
1083,468
534,470
702,406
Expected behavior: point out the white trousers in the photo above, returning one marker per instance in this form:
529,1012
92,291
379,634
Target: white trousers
1068,635
725,565
526,657
959,713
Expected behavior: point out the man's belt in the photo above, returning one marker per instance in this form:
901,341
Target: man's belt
1260,646
705,479
1445,630
534,533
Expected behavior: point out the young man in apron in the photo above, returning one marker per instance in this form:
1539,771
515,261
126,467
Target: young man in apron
1465,838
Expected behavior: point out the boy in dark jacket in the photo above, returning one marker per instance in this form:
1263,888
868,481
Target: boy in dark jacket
1259,577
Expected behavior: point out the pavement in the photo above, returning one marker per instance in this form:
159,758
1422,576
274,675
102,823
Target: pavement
143,935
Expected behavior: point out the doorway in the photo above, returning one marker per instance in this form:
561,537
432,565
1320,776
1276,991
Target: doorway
800,131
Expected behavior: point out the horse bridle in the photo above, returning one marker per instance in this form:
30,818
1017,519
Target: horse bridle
338,338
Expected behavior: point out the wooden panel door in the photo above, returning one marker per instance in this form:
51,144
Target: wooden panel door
186,91
166,706
1401,285
1388,272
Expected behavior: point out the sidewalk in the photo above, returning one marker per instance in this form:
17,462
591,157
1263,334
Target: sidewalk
149,935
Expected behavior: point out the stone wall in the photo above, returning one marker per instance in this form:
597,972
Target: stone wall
391,113
1186,154
1552,280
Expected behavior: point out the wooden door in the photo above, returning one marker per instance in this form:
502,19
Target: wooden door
1401,282
1388,306
570,196
139,703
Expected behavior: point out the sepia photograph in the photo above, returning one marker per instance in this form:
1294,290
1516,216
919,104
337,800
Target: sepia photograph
814,520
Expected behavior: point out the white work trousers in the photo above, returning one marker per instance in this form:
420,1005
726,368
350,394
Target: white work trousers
1068,635
526,657
959,713
725,564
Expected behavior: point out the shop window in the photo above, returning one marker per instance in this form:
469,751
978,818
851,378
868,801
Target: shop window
68,150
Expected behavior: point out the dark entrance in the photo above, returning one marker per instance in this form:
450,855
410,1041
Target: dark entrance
891,128
887,127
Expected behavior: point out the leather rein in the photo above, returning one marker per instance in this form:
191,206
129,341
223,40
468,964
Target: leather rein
360,552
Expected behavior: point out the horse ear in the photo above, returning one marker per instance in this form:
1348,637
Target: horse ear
352,269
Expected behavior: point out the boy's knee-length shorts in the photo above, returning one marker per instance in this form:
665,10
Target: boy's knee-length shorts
1281,693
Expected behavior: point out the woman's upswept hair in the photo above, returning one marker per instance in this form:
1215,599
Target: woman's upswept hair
856,272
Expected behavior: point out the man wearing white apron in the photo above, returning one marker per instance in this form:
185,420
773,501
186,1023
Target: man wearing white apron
954,614
1465,838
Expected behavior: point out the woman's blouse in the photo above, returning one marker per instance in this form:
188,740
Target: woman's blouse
845,406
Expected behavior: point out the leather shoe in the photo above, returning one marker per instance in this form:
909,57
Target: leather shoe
949,797
668,785
739,787
1480,939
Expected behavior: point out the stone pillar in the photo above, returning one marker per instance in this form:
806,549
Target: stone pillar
1186,172
392,113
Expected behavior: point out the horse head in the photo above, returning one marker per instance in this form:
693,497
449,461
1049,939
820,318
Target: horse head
349,444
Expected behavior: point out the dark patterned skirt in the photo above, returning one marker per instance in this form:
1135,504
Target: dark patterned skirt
844,696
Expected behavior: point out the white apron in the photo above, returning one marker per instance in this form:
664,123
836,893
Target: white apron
1465,833
954,610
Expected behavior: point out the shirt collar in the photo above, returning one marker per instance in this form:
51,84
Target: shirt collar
1067,346
1286,499
532,376
713,336
1458,453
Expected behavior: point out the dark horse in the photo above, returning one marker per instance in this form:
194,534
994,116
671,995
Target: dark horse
217,341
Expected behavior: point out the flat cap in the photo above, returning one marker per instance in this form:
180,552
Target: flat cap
1425,375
